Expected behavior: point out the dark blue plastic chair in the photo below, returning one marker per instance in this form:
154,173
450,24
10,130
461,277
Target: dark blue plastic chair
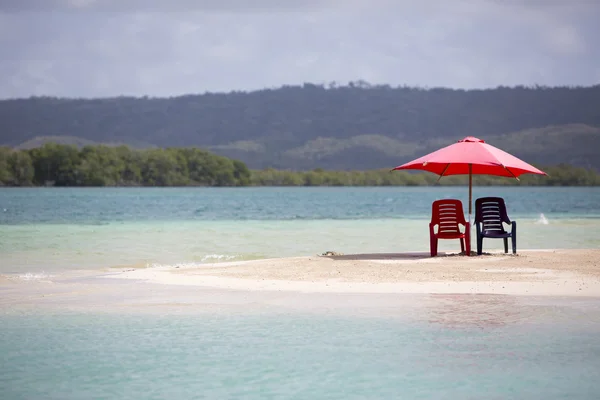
490,215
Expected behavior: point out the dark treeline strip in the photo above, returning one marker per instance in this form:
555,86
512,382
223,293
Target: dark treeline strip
98,165
560,175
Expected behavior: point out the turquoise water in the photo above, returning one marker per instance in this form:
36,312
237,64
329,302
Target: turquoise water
537,350
43,231
83,342
108,206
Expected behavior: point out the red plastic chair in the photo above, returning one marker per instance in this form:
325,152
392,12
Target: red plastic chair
448,215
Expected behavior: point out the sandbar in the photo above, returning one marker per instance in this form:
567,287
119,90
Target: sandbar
530,272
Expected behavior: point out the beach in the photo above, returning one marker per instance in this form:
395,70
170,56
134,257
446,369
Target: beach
548,272
555,273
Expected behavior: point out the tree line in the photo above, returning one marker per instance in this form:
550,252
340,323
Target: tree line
66,165
558,175
98,165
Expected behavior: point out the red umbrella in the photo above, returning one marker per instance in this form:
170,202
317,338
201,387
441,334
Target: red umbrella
474,157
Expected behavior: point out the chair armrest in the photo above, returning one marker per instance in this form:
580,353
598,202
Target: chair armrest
510,224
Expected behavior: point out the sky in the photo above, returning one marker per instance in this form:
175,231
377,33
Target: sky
105,48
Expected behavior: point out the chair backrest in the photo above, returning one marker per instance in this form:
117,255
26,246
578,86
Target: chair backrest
491,212
447,213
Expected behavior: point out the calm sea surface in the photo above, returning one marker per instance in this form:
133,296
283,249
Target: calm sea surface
458,347
326,347
47,230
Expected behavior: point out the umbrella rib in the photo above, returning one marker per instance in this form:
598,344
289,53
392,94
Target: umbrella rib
443,172
510,172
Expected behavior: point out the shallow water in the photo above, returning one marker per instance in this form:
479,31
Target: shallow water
425,347
51,230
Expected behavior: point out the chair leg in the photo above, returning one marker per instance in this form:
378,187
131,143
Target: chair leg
505,245
462,245
479,238
468,245
514,237
433,246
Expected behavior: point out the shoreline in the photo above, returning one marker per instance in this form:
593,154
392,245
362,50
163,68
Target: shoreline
530,272
365,284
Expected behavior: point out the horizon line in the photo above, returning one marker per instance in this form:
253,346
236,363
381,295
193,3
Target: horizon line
333,85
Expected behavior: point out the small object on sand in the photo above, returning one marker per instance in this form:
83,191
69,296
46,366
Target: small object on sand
331,253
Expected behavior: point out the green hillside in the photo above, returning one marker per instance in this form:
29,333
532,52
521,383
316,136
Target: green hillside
312,126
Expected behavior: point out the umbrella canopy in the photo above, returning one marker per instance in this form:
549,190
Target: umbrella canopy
471,156
483,159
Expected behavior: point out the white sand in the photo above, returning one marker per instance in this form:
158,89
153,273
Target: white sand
535,272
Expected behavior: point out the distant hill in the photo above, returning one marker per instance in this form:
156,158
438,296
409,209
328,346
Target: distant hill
312,126
39,141
574,144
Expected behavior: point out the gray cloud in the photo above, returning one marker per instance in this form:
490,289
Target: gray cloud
167,5
274,5
78,48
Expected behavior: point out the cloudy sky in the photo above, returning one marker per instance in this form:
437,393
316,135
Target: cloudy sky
99,48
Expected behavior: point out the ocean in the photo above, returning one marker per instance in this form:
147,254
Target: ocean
231,344
43,231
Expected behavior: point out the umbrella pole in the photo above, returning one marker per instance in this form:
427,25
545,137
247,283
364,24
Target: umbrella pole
470,198
470,188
